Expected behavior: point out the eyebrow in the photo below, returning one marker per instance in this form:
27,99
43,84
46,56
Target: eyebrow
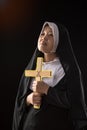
49,31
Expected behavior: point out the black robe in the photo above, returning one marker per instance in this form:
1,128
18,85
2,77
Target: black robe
63,108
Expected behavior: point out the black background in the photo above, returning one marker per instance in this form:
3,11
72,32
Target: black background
20,25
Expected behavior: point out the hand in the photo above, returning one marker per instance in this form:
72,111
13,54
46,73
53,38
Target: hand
40,87
34,98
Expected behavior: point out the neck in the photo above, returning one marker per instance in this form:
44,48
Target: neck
49,57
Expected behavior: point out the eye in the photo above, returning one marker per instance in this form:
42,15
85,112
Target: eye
42,34
50,34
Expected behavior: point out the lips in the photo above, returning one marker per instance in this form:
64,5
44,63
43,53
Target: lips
43,43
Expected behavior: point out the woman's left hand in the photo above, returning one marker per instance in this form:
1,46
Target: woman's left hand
40,87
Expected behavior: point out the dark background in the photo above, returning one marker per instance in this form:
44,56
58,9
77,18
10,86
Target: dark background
20,25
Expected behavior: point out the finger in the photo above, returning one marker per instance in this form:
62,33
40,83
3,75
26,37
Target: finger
34,82
38,97
33,88
37,101
37,94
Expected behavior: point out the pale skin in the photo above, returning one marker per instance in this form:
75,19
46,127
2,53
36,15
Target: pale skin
45,45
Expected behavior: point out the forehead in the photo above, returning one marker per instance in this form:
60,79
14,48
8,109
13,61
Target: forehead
47,28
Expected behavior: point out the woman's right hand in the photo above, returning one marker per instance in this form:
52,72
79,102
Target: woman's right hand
34,98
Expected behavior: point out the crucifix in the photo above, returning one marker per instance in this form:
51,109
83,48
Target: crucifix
38,73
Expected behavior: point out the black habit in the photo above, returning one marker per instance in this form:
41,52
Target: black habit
63,108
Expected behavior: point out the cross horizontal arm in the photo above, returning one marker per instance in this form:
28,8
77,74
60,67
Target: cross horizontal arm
30,73
46,73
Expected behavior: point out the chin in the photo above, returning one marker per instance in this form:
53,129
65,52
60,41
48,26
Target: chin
43,50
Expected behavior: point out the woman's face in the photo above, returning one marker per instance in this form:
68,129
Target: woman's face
46,40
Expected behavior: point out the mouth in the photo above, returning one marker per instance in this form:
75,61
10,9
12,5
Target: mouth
43,43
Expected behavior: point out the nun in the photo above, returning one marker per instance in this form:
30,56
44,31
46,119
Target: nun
61,97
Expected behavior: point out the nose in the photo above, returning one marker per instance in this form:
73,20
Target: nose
45,37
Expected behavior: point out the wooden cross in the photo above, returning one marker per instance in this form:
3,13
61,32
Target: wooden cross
38,73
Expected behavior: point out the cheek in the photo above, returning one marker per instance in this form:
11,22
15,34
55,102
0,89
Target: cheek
39,40
51,45
38,45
